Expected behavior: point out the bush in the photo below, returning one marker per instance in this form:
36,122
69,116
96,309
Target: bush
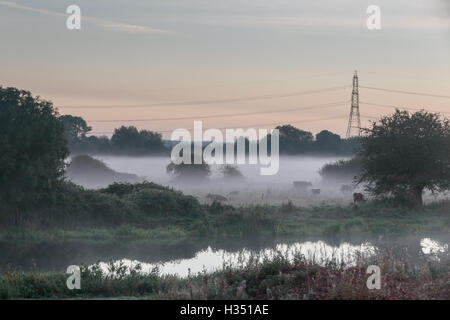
156,202
342,170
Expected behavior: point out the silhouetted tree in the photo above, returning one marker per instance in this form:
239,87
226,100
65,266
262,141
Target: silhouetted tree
294,140
130,140
328,142
189,171
75,129
32,149
405,153
231,172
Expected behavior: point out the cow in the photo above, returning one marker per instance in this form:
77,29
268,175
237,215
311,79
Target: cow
345,188
358,197
302,185
315,191
215,197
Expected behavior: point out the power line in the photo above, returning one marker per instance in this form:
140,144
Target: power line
397,107
408,92
225,115
214,101
249,126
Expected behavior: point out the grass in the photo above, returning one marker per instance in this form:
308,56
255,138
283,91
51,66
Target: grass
258,278
125,232
216,220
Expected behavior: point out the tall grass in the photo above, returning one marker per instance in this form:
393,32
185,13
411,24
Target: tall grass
276,277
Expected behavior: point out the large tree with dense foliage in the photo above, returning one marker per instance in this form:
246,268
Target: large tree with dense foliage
131,140
327,141
76,129
32,149
294,140
404,154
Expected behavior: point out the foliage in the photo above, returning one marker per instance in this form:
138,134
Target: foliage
32,149
231,172
75,129
166,203
293,140
131,140
122,189
144,205
189,171
405,153
257,277
328,141
342,170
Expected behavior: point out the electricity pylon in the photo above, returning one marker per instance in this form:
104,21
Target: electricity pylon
354,120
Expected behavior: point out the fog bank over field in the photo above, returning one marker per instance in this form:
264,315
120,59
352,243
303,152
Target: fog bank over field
252,189
304,168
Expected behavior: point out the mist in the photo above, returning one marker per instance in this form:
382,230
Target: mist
254,188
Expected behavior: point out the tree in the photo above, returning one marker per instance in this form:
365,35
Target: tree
404,154
75,129
293,140
341,170
327,141
231,172
126,138
131,140
189,171
152,141
32,149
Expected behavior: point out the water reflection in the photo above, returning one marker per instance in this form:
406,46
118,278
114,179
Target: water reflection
177,257
210,260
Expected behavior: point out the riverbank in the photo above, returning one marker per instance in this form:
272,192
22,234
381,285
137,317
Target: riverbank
217,220
276,277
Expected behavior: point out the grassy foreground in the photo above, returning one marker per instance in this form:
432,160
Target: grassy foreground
268,278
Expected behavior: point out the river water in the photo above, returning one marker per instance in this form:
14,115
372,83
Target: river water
194,256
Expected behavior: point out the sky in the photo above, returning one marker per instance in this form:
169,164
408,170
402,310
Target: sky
265,62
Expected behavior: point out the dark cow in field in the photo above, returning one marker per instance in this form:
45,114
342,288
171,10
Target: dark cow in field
215,197
315,191
358,197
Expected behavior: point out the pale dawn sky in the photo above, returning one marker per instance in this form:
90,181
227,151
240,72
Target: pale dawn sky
267,59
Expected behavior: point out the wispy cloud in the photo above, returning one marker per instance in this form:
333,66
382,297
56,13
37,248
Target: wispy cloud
315,21
105,24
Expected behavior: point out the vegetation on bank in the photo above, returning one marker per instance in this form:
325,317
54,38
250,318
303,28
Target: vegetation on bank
268,278
149,211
